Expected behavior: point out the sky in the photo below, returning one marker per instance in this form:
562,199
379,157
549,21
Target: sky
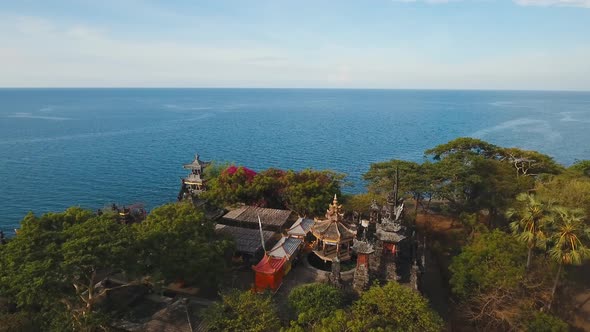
383,44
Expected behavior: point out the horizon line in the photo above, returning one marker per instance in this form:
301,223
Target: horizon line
281,88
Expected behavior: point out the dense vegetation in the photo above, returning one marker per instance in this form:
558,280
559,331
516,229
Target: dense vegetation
52,268
520,229
305,192
524,221
391,307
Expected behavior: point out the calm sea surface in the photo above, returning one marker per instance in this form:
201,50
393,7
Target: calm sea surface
91,147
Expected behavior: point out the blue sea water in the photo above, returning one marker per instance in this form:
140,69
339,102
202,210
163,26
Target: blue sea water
91,147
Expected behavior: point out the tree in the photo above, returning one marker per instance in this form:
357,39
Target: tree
394,307
543,322
529,163
580,168
567,240
312,302
532,218
309,192
414,179
391,307
233,185
464,148
361,203
470,175
567,191
176,242
494,290
30,263
492,260
268,186
243,311
49,269
98,245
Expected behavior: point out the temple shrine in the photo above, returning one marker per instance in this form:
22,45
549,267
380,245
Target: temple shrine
276,263
333,238
193,184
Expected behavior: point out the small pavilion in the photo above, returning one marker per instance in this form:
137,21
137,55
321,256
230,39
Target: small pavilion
333,237
193,184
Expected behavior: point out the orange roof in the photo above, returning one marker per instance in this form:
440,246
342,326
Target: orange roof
269,265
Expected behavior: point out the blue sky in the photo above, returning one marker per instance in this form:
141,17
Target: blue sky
432,44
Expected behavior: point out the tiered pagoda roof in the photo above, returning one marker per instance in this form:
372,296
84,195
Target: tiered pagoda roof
196,164
332,229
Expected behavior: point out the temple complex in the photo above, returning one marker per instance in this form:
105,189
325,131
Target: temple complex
193,184
333,238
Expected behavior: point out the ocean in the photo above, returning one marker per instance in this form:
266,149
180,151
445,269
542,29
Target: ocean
92,147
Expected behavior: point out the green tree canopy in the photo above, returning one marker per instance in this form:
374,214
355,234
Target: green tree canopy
309,192
312,302
580,168
531,218
50,267
416,180
492,260
463,148
543,322
529,163
176,242
567,191
391,307
243,311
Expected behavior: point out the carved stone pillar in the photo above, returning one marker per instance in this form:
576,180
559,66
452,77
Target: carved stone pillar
391,269
361,273
375,259
335,278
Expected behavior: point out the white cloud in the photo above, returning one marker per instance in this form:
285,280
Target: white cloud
547,3
36,52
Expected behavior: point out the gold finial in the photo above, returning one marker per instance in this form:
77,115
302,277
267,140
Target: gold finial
335,200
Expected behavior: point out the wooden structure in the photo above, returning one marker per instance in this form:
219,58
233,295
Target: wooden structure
247,240
301,228
334,238
271,219
193,184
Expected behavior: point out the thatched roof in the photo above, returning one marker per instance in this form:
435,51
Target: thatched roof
248,215
247,240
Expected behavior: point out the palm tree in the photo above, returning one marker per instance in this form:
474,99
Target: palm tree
533,216
566,245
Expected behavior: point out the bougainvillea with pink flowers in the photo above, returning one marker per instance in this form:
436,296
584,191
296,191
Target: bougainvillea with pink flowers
306,192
